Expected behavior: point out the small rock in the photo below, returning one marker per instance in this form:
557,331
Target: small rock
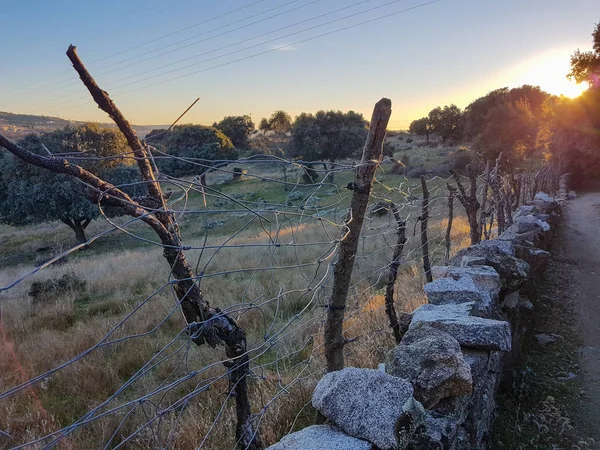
545,339
543,197
511,300
565,376
433,362
295,195
370,405
572,195
524,302
320,437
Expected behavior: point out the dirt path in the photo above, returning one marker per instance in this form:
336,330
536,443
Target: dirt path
581,245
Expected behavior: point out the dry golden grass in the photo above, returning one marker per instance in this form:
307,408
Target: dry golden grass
281,309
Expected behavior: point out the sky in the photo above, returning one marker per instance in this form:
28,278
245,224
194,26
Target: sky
254,57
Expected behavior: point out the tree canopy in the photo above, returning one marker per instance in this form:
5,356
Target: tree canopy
279,122
328,135
195,149
34,195
420,127
510,129
585,66
445,122
238,129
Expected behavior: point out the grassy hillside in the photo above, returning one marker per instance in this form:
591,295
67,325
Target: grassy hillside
15,126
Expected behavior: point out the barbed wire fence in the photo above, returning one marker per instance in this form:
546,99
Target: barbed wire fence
266,266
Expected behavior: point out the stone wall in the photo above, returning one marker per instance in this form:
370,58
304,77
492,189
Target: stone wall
437,388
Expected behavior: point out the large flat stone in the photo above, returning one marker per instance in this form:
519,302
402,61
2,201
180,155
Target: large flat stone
469,331
371,405
433,363
320,437
449,290
502,245
485,277
432,313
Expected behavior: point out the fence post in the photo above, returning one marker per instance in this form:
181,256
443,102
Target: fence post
390,309
449,228
362,185
424,239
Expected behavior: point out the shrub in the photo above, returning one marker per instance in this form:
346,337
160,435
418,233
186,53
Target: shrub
237,173
409,140
380,209
69,282
461,160
417,172
401,166
45,254
309,174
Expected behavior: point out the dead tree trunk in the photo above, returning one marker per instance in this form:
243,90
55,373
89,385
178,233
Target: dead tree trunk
424,218
390,309
449,228
206,324
495,183
469,202
363,183
484,213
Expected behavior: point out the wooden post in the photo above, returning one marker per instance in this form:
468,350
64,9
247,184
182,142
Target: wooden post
363,183
449,228
390,308
424,239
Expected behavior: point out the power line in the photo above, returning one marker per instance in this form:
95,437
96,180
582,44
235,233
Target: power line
223,47
69,84
152,40
273,49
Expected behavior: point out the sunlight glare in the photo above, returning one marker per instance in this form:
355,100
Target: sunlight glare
548,71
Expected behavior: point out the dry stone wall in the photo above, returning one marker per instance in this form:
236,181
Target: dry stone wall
437,388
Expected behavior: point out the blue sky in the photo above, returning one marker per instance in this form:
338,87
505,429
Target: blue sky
449,51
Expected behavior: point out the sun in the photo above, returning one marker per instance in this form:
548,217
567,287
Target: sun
548,71
566,87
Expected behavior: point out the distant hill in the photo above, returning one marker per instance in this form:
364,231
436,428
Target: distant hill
15,126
